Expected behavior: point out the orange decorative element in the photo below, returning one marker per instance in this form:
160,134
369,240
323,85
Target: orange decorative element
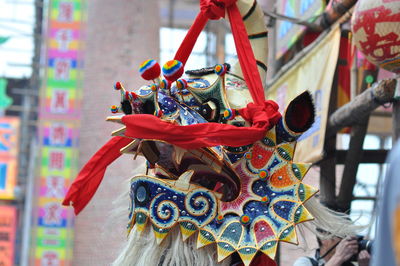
281,178
114,109
264,199
153,87
260,156
245,219
263,174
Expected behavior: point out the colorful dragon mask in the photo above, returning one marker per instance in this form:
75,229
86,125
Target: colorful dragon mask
219,157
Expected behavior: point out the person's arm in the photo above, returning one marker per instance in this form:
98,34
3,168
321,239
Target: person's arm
344,251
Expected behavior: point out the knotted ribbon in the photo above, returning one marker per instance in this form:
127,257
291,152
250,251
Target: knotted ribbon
215,9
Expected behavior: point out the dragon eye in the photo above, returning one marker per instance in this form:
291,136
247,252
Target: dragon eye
141,194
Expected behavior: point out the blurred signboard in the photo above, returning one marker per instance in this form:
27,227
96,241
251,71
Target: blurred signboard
59,119
315,73
287,32
8,226
5,101
9,135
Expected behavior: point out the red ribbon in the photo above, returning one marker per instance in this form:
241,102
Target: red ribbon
215,9
91,175
261,116
205,134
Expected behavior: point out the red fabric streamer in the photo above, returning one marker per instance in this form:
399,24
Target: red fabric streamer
209,9
188,43
246,57
91,175
206,134
215,9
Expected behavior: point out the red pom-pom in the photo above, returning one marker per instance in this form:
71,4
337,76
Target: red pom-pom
118,86
173,70
165,84
114,109
181,84
150,69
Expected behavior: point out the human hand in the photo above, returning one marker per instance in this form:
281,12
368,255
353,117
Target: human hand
363,258
346,248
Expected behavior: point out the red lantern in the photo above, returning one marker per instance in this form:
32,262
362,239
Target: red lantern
376,32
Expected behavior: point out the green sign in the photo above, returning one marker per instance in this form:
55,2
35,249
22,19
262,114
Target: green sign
3,39
5,101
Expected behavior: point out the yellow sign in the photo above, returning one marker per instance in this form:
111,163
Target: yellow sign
315,73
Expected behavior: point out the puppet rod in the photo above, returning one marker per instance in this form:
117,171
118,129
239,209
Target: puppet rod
361,106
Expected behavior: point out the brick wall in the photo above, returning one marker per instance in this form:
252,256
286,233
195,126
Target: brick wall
119,36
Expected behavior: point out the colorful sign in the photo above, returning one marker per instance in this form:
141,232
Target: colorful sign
288,32
9,135
315,73
5,101
58,132
8,226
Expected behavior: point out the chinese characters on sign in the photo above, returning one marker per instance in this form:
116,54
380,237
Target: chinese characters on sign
59,123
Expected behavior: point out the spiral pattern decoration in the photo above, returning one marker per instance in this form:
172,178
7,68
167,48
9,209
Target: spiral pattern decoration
163,213
201,204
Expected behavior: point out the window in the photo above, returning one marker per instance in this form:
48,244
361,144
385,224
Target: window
230,49
366,189
203,54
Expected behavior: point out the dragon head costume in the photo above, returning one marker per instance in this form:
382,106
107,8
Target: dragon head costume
219,156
